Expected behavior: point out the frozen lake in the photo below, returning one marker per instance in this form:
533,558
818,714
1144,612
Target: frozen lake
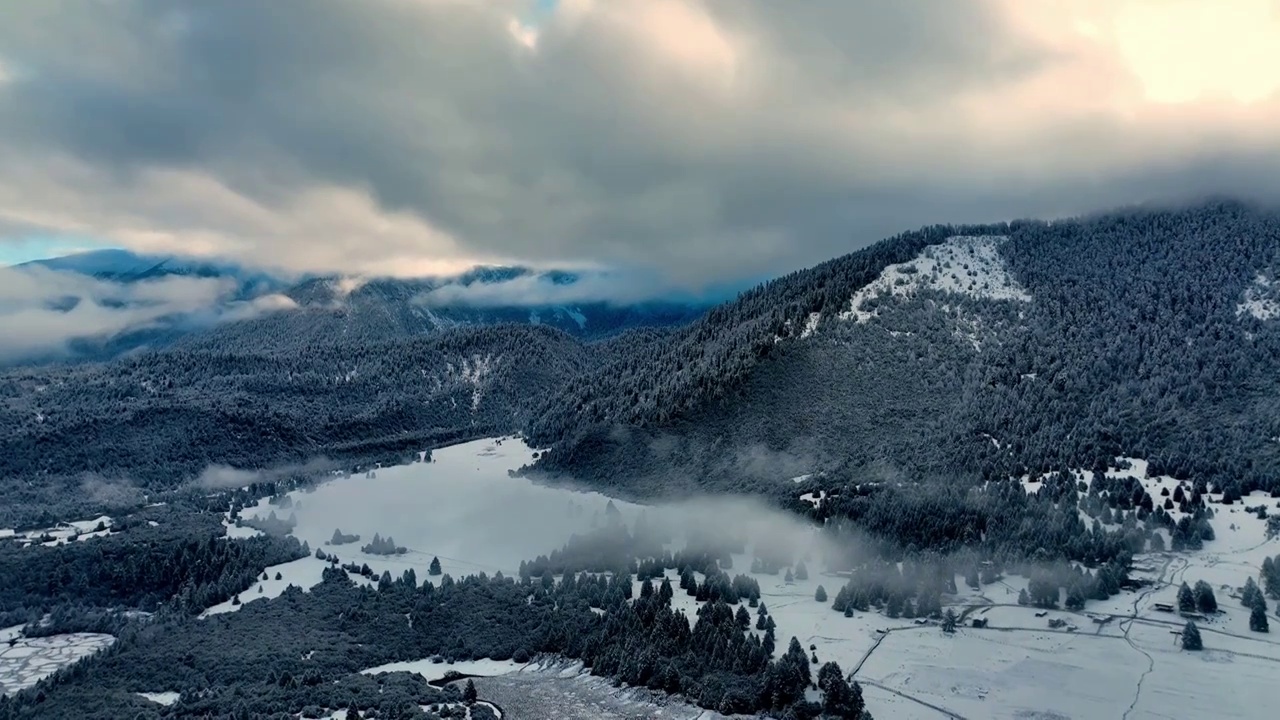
462,507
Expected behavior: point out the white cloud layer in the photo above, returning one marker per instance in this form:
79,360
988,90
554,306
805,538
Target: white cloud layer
702,139
43,310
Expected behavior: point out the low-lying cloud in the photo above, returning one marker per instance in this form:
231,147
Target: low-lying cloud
42,311
221,477
540,290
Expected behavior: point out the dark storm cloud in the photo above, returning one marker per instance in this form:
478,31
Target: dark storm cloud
706,140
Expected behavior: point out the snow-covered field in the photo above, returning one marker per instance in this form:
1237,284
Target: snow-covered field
464,508
434,671
162,698
306,573
26,661
62,533
963,265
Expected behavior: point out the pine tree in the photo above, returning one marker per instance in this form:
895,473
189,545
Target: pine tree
435,567
802,572
1250,593
1023,598
742,617
1075,599
839,698
1186,599
1205,600
1271,576
1191,637
820,594
469,694
949,621
1258,617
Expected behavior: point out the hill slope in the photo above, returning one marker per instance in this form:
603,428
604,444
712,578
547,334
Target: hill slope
156,421
957,353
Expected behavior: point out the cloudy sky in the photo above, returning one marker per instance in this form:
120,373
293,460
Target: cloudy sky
705,140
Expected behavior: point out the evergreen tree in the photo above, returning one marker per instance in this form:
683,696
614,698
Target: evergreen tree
949,621
1191,637
665,593
1075,599
1250,593
802,572
839,698
1023,598
1258,617
743,617
820,594
435,567
1186,599
469,694
1205,600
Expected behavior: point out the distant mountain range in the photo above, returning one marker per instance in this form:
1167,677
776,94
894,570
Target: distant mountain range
265,311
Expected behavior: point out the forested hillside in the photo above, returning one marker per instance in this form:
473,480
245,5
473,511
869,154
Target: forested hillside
158,420
1149,333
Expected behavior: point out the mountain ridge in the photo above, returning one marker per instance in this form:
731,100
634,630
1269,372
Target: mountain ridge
1062,380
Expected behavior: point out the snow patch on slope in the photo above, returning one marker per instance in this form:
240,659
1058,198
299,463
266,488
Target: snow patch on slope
473,372
811,324
966,265
1261,299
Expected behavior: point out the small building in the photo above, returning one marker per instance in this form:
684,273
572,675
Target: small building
1163,607
979,622
1056,623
